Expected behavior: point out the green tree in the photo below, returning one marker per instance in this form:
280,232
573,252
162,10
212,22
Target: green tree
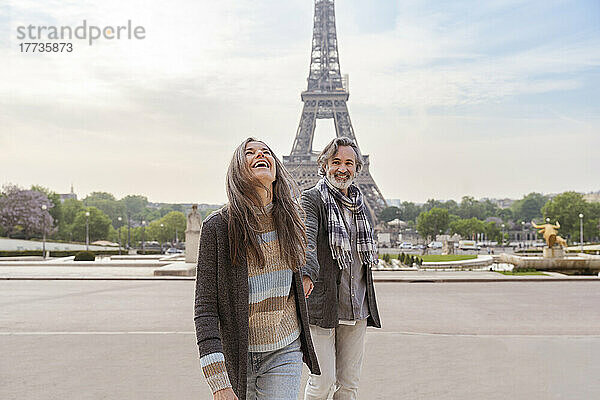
389,214
173,222
489,209
471,208
467,228
505,214
565,208
431,203
492,231
134,206
107,203
99,225
529,207
99,196
71,208
451,206
409,211
432,222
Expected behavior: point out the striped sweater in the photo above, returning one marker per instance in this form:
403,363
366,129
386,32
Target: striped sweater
273,322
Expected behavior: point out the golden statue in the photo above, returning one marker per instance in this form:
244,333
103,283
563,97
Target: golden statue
550,234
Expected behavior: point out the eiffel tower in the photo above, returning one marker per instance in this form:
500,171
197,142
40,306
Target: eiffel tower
326,97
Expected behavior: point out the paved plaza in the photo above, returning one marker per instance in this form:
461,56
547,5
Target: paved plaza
134,340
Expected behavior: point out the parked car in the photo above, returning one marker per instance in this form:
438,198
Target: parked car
418,247
436,245
173,250
406,245
468,245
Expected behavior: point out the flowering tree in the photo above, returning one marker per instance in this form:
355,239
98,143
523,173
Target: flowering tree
21,211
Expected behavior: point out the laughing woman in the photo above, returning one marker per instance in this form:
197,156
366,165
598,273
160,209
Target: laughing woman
250,311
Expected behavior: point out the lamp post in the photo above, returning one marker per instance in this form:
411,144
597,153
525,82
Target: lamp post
44,208
523,232
581,231
143,237
120,219
503,236
87,230
128,232
161,237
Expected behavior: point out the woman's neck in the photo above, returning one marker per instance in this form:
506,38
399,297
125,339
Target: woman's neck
264,196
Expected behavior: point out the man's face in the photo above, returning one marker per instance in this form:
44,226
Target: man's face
341,168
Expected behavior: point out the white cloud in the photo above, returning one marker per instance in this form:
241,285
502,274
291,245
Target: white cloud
161,116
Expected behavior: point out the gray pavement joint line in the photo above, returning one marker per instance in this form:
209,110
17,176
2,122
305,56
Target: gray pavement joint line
491,335
400,333
382,280
62,296
75,333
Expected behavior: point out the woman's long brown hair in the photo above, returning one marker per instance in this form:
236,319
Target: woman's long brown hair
243,221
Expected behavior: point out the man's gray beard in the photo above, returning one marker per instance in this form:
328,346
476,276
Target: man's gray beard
340,185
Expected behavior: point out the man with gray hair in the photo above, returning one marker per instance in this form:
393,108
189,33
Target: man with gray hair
337,277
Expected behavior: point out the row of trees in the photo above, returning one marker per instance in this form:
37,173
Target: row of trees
28,213
472,217
524,209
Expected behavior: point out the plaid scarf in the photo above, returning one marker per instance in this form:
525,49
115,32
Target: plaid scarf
339,240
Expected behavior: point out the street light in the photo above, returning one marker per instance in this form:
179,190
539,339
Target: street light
503,236
523,232
161,237
128,232
143,237
581,231
44,208
87,231
120,219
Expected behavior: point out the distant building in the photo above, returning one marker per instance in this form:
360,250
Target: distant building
501,203
66,196
593,197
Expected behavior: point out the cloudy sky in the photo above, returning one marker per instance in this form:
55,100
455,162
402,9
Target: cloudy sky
449,98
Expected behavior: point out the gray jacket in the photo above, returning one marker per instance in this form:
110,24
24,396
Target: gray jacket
324,271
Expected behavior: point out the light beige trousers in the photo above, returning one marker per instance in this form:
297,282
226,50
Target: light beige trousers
340,354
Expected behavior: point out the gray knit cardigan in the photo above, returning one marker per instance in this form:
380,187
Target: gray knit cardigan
221,305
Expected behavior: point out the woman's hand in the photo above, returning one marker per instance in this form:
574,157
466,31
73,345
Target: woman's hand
308,285
225,394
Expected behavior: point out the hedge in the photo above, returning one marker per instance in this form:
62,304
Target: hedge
85,256
55,253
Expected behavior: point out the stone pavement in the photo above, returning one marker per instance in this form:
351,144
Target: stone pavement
99,339
125,269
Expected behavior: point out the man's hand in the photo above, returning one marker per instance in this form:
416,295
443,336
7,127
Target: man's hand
308,285
225,394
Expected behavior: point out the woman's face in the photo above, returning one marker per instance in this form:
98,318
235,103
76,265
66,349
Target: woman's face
261,162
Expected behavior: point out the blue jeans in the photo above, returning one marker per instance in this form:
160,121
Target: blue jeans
275,375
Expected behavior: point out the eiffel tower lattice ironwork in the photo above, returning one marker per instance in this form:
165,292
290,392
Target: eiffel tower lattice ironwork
326,98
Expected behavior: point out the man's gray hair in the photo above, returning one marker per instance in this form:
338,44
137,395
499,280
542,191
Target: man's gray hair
332,148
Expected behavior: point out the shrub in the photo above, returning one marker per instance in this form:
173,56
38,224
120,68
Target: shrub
53,253
386,258
401,257
85,256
